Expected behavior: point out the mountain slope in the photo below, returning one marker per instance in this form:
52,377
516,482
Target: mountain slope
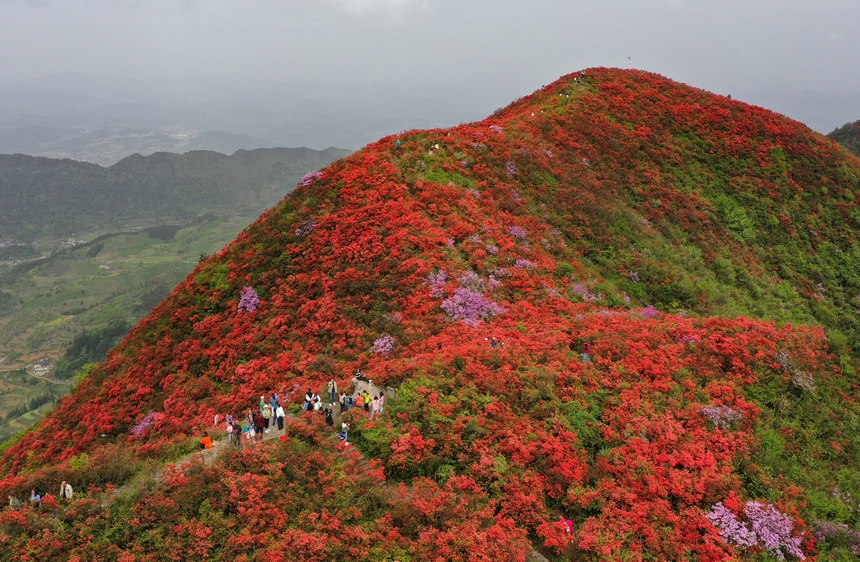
849,136
43,196
700,251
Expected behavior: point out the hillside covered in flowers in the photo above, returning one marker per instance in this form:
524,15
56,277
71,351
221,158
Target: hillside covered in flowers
620,317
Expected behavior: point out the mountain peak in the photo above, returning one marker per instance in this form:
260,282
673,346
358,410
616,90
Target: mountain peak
604,305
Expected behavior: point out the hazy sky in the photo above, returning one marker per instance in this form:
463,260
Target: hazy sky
489,51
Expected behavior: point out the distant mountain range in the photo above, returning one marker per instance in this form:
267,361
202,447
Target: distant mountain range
103,118
49,197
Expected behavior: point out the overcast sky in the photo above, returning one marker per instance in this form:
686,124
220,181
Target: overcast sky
486,51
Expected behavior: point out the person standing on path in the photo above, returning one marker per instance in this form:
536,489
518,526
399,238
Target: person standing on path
65,491
329,420
332,391
262,403
381,403
273,402
267,416
344,432
238,430
259,425
365,397
279,413
374,407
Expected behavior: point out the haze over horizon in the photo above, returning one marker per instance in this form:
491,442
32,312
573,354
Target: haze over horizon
97,81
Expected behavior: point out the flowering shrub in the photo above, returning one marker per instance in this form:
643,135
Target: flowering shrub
730,527
722,417
383,345
803,381
496,128
522,263
511,168
249,300
310,178
139,430
649,312
470,307
584,293
837,534
517,232
306,228
436,280
765,527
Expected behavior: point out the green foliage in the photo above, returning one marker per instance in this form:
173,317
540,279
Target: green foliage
79,462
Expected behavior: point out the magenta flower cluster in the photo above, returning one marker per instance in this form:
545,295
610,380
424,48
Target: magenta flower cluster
800,379
518,232
139,429
584,293
468,304
492,249
496,128
722,417
837,534
306,228
436,281
511,168
249,300
650,312
522,263
383,345
310,178
683,339
765,527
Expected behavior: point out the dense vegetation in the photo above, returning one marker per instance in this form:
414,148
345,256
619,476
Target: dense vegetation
702,249
49,197
89,347
849,136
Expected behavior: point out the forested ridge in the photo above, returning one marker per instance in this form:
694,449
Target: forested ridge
52,197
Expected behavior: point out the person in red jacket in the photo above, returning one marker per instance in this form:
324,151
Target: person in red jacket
206,442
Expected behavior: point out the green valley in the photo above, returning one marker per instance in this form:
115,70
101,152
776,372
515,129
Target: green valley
68,296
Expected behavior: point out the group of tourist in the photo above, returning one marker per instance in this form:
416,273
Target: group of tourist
270,414
36,498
